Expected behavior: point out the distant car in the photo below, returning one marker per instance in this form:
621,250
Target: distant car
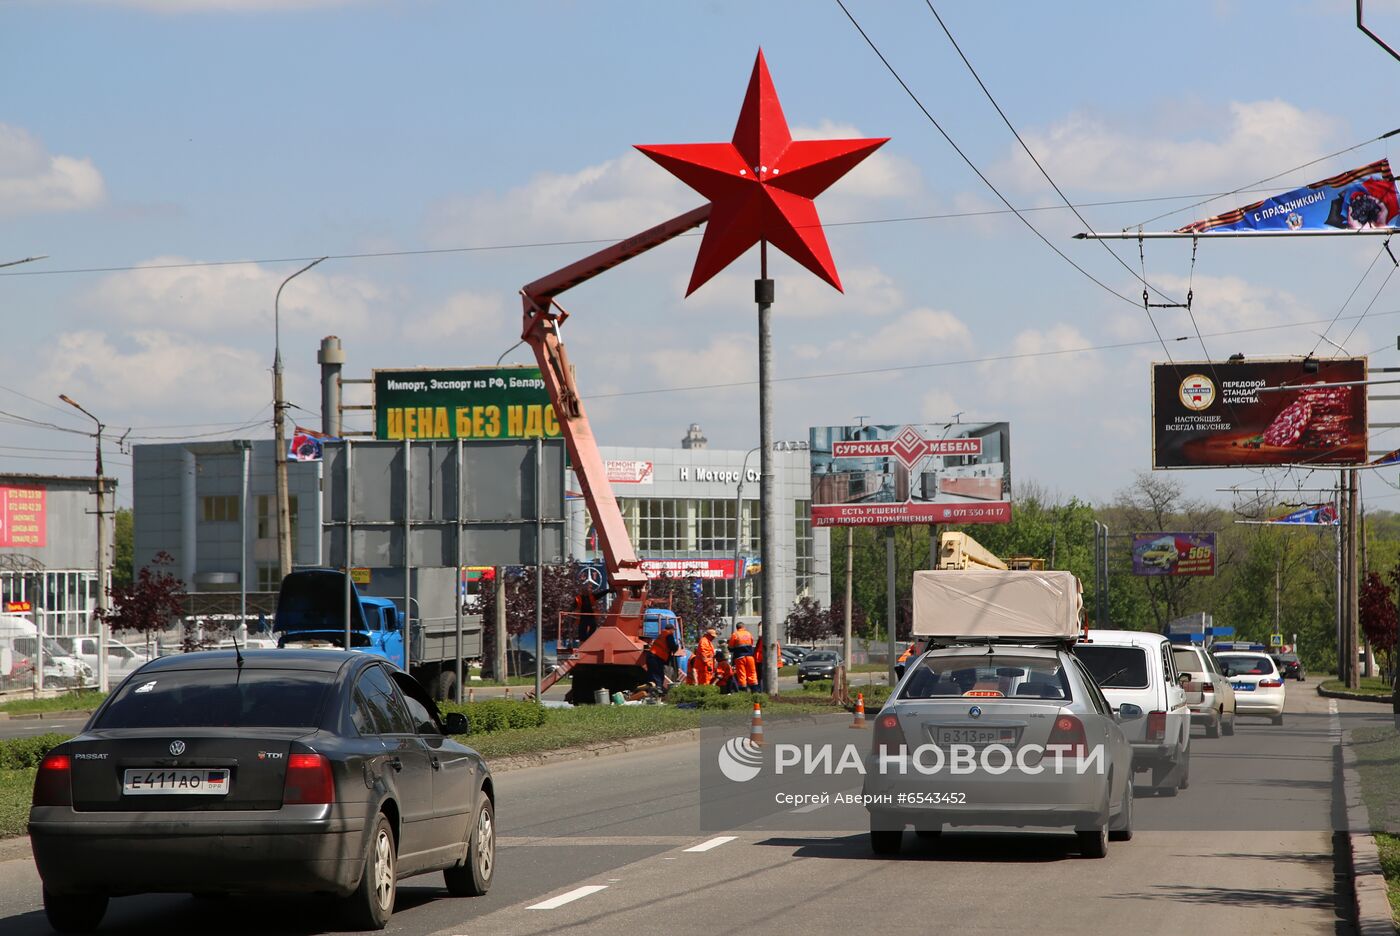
121,658
792,656
1257,682
1290,666
1137,668
1209,695
290,771
1035,705
819,664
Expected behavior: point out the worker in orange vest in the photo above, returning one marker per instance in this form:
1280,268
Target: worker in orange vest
758,659
704,658
724,673
659,655
741,647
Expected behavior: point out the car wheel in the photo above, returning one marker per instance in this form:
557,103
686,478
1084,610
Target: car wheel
472,878
1185,780
372,903
1122,828
1161,780
1227,727
1277,719
1093,843
74,913
1213,726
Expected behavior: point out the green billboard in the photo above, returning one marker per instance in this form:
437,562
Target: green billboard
492,403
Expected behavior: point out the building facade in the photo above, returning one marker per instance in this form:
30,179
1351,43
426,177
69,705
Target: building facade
48,550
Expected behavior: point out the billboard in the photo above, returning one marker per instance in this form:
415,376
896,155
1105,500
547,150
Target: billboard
1359,199
480,403
696,568
1173,553
877,475
1213,415
23,517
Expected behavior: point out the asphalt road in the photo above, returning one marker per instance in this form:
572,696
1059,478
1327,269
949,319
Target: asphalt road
23,727
630,843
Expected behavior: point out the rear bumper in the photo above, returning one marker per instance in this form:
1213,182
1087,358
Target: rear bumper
1015,800
304,849
1249,704
1148,756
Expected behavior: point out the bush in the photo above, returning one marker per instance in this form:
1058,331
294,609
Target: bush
23,753
824,686
685,694
500,714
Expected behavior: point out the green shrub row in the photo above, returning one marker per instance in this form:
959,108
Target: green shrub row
493,715
22,753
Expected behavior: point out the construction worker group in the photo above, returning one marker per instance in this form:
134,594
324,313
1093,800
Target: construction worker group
710,664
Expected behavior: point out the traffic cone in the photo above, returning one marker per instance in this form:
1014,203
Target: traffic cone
860,711
756,726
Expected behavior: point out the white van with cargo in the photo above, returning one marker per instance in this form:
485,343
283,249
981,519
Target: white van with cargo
1135,667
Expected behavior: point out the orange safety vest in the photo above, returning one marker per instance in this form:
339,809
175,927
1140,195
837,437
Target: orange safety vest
741,643
661,646
706,649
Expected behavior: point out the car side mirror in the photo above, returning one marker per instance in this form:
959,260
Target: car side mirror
457,723
1183,678
1128,711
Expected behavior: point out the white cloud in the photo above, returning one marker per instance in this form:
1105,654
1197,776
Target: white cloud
1084,152
868,291
725,358
467,314
237,297
920,333
1042,376
33,180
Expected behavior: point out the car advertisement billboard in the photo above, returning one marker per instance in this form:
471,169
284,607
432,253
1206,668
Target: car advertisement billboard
490,403
1173,553
1223,415
877,475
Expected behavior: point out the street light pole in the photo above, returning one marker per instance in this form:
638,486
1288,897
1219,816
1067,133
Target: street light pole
279,421
101,552
739,531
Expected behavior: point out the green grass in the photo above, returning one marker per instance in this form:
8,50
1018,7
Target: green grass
16,788
1378,763
69,701
1369,685
1389,847
869,668
586,725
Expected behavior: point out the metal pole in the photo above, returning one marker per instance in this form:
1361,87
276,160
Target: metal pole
243,536
331,357
890,610
539,567
100,491
739,531
763,295
460,563
408,552
279,420
1337,533
349,532
1098,573
846,627
1106,621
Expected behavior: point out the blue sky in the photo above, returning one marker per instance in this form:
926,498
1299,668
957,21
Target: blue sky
147,132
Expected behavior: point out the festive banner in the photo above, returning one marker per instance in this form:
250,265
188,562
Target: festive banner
1361,199
1316,515
306,445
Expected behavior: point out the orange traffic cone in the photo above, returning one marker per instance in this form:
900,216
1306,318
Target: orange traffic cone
860,711
756,725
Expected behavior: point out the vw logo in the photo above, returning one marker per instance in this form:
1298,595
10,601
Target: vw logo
975,712
177,748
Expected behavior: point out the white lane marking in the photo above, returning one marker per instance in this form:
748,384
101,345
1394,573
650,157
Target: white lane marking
810,807
554,903
715,842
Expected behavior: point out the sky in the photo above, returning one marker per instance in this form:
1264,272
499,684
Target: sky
175,160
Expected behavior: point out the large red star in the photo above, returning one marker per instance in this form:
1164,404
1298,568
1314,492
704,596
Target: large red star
761,185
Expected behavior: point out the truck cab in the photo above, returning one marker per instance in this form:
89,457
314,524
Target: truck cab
311,613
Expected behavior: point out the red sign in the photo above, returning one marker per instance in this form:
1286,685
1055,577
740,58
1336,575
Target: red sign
12,606
824,515
23,517
689,568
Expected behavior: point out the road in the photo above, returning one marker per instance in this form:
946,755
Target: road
630,843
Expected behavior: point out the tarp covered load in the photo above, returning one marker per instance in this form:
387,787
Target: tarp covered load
1038,605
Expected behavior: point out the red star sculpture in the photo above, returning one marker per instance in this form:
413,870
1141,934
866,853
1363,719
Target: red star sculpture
761,185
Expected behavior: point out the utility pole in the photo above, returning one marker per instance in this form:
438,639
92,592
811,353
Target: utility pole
279,422
763,296
846,628
102,667
890,603
1353,609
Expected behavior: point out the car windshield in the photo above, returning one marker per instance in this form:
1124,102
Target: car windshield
819,657
1115,667
218,698
997,675
1187,661
1249,665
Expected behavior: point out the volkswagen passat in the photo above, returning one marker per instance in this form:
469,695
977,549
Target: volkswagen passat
291,771
1000,735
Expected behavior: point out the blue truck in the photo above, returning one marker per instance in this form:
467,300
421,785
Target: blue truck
311,613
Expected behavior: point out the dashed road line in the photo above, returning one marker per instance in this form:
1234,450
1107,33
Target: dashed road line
555,903
715,842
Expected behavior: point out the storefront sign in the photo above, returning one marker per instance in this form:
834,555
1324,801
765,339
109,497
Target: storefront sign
23,517
692,568
629,472
491,403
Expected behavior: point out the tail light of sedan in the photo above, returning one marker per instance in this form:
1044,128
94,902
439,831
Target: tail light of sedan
1067,734
309,780
1206,687
53,785
1270,684
888,738
1156,726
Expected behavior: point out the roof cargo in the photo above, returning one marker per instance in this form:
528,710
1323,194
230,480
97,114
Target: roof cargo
984,605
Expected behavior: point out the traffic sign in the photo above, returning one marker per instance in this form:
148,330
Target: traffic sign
1276,640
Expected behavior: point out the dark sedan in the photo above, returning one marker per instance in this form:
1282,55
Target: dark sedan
1290,666
288,771
819,664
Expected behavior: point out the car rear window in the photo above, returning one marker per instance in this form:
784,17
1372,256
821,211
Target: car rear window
1188,662
220,698
1249,665
992,676
1115,667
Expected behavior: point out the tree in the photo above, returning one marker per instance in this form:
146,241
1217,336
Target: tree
1378,617
123,546
149,604
558,587
808,622
688,600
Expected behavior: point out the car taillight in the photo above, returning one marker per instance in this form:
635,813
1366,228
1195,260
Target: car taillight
888,739
1207,687
1068,734
309,780
1156,726
53,784
1270,683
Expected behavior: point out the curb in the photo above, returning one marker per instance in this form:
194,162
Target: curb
1372,905
602,749
1353,696
72,713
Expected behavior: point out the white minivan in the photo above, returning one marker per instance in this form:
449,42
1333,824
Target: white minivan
1137,667
61,669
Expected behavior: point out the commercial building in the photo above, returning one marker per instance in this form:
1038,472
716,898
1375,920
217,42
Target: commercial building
48,550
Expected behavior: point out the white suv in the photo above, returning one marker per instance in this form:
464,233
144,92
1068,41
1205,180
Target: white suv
1137,667
1257,683
1209,694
